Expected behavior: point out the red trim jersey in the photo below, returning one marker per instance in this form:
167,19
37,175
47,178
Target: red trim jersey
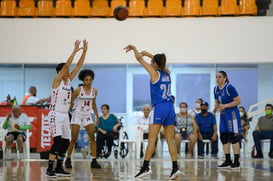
61,97
83,103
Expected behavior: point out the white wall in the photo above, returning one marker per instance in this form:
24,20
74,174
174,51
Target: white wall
184,40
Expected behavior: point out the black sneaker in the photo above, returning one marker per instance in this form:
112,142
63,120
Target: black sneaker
94,164
174,174
226,164
60,172
143,172
235,166
68,163
50,173
258,155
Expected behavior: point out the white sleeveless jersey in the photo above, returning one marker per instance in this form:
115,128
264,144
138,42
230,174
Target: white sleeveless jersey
61,97
83,103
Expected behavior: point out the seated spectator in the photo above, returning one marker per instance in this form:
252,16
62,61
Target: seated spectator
207,130
197,108
106,130
264,130
143,122
31,99
16,123
185,129
245,125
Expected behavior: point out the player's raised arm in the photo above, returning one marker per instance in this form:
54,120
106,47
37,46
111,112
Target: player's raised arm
80,62
65,68
139,57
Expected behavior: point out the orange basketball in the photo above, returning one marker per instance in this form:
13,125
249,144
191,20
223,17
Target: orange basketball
121,13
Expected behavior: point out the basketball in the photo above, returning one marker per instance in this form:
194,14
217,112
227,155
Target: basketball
121,13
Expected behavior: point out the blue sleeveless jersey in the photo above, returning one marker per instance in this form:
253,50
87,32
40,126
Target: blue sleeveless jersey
161,89
226,95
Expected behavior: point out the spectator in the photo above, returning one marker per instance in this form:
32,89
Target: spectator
245,125
197,108
31,99
143,123
185,129
16,123
106,130
264,130
207,130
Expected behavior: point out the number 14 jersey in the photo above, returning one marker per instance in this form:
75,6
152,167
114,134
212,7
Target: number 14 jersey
83,103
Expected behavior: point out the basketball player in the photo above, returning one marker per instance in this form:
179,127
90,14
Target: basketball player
226,101
163,109
59,107
85,101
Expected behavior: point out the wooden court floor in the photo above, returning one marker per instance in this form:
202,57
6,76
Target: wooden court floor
124,169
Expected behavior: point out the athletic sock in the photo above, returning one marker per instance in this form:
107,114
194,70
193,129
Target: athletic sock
50,164
146,164
236,158
175,165
228,159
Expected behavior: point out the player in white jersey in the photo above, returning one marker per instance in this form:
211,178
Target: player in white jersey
85,102
60,105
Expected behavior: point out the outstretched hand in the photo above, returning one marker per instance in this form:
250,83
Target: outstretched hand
85,45
129,48
77,46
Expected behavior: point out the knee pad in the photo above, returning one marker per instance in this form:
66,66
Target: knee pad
56,147
233,138
64,147
224,137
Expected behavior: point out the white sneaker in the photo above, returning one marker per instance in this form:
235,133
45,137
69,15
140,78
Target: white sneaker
174,174
143,172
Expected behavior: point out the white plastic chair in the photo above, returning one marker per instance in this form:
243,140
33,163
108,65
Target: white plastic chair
194,148
136,139
263,142
26,146
207,141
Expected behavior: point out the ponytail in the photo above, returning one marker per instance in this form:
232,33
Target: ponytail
160,60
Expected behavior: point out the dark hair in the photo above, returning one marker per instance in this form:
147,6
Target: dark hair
173,98
184,104
160,60
244,117
200,99
105,105
269,105
224,74
86,72
59,67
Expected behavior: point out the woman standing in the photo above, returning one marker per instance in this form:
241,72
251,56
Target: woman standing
59,108
226,101
163,109
85,102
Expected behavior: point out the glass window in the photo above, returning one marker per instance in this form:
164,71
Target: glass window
245,80
11,82
111,85
189,87
141,91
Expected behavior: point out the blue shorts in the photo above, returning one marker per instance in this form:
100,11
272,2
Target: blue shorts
230,122
163,113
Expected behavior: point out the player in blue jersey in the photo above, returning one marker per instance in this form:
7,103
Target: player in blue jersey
226,101
163,109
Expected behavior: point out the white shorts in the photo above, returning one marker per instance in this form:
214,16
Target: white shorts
81,119
59,124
